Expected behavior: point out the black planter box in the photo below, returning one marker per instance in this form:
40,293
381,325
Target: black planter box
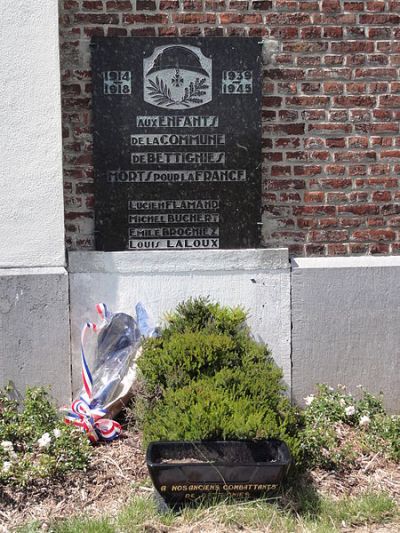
183,470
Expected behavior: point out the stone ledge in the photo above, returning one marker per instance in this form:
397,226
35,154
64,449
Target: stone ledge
365,261
178,261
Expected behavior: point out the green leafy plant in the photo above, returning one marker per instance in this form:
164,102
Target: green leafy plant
206,378
34,442
338,428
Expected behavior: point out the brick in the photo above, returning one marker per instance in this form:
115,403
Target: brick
119,5
315,249
308,101
96,18
262,5
336,197
237,31
158,18
285,5
314,197
192,5
308,5
336,19
376,222
310,170
337,249
330,6
376,6
314,210
358,170
357,142
379,19
329,127
169,4
381,196
194,18
333,87
376,73
93,31
283,184
356,88
328,235
190,31
276,171
357,248
288,197
149,31
389,100
355,32
390,154
333,60
145,5
329,73
302,47
288,115
92,5
336,143
241,5
379,33
390,209
352,47
215,5
374,235
354,101
378,248
353,6
360,210
116,32
287,19
271,101
311,32
213,32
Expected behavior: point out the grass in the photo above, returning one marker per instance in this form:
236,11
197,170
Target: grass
296,510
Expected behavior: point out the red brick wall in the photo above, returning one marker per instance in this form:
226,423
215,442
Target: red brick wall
331,112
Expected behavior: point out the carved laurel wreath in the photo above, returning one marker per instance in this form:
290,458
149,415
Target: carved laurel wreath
160,92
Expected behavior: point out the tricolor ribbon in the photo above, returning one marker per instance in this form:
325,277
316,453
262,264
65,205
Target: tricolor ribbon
82,414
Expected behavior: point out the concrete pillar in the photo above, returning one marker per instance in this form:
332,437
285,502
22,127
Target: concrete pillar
34,330
345,318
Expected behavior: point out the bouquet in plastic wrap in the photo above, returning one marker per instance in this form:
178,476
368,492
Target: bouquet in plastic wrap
107,388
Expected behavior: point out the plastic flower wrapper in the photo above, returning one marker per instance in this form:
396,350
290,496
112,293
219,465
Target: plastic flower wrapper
108,387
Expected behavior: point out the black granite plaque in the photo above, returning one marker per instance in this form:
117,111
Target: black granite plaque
177,142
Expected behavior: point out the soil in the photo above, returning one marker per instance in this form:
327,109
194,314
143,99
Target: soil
236,453
118,470
184,461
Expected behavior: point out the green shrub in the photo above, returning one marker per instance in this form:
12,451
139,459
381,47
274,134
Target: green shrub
338,428
35,442
206,378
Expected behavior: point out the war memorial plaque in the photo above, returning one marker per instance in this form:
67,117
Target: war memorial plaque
177,142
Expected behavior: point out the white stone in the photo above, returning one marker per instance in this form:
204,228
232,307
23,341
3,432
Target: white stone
31,199
345,316
34,330
259,280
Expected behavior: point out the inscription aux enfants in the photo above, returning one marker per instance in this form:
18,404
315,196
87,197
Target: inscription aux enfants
175,179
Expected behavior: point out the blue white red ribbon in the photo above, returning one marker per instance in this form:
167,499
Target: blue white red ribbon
82,414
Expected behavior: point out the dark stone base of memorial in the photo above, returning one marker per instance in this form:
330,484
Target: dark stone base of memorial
184,471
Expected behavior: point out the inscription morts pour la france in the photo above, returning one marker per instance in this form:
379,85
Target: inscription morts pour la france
177,142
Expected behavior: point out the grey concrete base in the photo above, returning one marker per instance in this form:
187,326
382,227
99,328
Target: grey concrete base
34,329
345,314
259,280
